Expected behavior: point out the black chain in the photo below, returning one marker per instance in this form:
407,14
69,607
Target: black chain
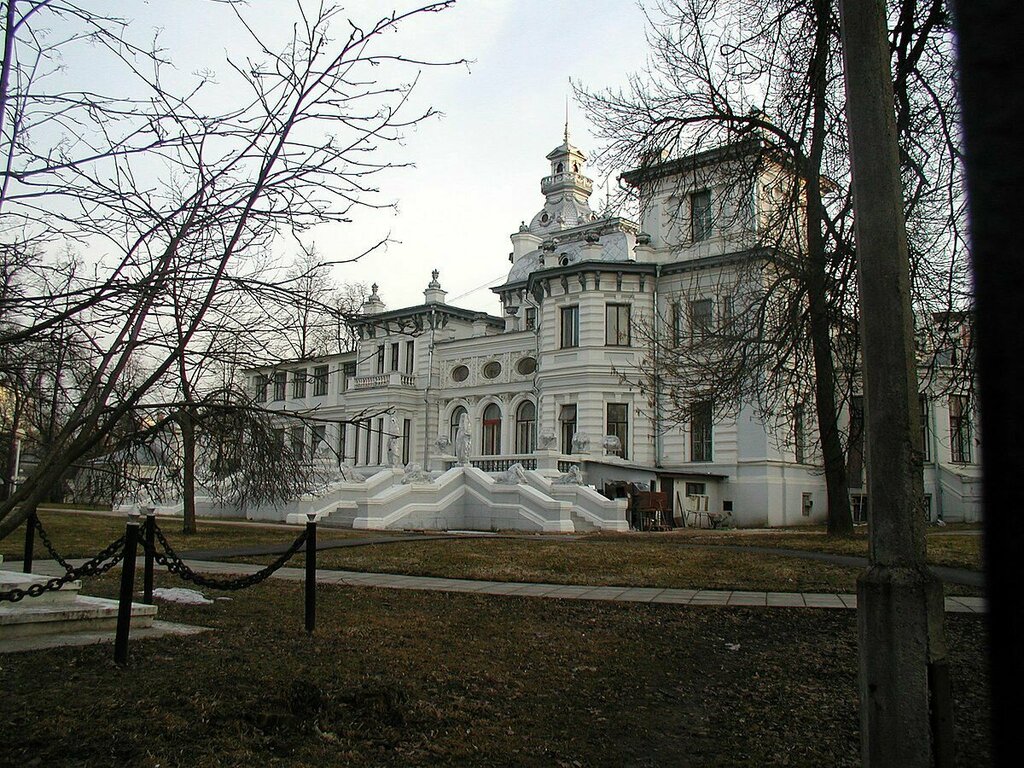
174,564
111,555
49,545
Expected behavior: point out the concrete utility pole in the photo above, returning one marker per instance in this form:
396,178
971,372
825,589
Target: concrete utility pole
992,91
899,602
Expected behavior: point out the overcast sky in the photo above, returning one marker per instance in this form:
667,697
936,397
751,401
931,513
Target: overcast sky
478,169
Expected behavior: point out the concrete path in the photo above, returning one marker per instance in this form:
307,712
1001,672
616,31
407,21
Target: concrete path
693,597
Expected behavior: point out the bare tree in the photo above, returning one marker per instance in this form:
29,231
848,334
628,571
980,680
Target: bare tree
177,200
762,82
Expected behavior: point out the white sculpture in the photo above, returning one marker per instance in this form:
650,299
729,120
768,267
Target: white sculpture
580,442
463,440
414,474
348,474
611,444
443,444
393,457
514,475
572,477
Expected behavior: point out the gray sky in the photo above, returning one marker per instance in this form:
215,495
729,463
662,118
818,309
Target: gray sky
478,169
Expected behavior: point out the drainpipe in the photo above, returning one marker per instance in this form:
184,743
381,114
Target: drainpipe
426,392
657,375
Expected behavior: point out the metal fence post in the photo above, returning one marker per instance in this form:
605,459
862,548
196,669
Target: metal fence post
150,536
124,604
310,571
30,542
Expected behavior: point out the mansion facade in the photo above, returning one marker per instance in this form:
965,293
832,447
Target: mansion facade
550,381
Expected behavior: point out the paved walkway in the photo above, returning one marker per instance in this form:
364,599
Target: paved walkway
573,592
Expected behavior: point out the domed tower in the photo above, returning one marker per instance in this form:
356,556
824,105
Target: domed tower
567,191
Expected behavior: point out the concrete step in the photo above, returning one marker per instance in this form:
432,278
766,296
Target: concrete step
63,611
13,580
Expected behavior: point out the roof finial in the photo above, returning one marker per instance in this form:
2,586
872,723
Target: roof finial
567,119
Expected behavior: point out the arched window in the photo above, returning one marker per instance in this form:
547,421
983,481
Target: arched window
526,427
559,168
492,430
453,424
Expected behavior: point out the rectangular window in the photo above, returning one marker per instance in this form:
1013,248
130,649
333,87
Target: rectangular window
368,428
531,318
394,356
380,359
342,443
799,446
298,442
280,381
261,388
700,431
348,371
701,220
727,311
618,425
299,383
677,324
567,417
959,430
380,441
279,438
926,427
321,376
701,317
570,327
616,325
406,440
410,357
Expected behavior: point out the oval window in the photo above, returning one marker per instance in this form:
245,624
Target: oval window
526,366
460,373
492,370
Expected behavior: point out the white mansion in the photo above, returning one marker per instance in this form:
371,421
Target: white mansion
543,383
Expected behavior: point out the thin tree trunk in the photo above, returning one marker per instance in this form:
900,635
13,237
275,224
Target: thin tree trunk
188,475
840,518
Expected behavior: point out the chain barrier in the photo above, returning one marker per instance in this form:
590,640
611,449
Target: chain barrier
174,564
110,556
48,544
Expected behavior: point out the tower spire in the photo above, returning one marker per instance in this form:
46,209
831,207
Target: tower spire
567,119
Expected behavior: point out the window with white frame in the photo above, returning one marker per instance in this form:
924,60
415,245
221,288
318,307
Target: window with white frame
321,373
570,326
959,430
701,415
491,430
299,383
618,425
280,382
616,325
526,427
567,418
701,317
701,219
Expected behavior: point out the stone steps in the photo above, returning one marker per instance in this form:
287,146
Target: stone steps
63,612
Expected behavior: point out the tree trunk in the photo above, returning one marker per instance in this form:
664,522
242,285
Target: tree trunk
840,519
188,473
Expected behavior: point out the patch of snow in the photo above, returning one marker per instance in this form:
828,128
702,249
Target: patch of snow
181,595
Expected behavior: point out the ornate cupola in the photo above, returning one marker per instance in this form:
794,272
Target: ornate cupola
566,191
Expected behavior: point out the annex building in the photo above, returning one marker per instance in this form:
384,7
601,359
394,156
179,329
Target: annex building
550,380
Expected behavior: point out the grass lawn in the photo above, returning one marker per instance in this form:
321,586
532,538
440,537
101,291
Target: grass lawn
636,561
81,534
401,678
